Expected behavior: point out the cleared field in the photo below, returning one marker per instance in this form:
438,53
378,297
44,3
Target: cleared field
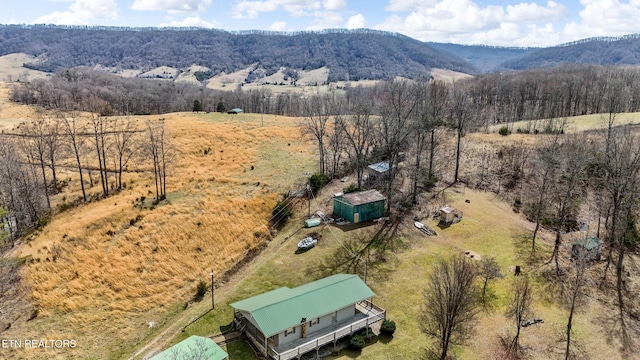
573,124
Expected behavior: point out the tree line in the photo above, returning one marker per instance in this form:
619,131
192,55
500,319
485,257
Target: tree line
101,150
560,181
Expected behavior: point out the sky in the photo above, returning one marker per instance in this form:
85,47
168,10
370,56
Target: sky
488,22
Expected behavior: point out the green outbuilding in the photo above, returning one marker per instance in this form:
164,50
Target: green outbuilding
359,206
194,347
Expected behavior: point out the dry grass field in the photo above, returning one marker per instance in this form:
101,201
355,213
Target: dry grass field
101,272
574,124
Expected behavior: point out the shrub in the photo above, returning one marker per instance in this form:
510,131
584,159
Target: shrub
357,342
388,327
201,289
317,181
351,188
431,182
504,131
281,212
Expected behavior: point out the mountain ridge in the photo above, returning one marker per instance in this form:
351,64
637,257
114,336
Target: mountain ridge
350,55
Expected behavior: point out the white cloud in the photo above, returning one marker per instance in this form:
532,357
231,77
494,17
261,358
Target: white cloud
82,12
251,9
334,4
172,6
408,5
278,26
356,22
325,20
532,12
191,21
466,21
605,18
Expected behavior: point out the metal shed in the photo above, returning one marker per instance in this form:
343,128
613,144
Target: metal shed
359,206
194,347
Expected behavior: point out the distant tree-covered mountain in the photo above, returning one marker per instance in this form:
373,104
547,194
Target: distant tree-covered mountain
349,54
485,58
623,50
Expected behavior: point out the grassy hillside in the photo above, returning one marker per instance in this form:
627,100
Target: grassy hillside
102,272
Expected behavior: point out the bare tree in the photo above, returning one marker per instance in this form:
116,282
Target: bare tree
21,191
397,104
99,133
547,158
574,292
420,129
318,109
198,351
123,138
436,107
73,129
622,165
451,302
520,307
158,150
34,145
53,144
358,131
461,117
575,158
337,145
489,270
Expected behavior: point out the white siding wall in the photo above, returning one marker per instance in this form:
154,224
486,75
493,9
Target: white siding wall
347,313
284,340
325,321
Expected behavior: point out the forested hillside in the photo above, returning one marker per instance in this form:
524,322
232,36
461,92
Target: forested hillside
350,55
485,58
603,51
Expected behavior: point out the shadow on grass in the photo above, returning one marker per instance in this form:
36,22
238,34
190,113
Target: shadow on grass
240,350
352,226
385,339
302,251
227,327
533,256
375,251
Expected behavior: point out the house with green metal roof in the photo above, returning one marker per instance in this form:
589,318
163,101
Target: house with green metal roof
587,249
194,347
286,323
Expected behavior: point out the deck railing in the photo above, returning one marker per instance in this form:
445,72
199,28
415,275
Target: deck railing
373,312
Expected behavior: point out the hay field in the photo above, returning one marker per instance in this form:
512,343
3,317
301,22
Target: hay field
11,68
102,272
574,124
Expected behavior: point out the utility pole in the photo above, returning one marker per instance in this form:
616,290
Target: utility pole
309,193
213,306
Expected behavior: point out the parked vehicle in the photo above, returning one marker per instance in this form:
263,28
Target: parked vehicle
307,243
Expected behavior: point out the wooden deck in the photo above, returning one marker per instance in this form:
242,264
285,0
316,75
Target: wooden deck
367,314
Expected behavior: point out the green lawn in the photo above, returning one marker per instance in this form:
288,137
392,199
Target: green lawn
489,227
